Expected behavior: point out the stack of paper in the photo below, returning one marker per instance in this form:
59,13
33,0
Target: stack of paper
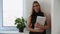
40,20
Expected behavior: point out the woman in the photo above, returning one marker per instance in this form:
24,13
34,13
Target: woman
31,21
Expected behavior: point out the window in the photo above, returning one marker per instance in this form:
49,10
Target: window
12,9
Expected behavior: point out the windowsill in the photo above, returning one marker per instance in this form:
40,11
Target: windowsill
13,32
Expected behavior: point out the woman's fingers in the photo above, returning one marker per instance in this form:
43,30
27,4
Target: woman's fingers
36,25
39,26
42,27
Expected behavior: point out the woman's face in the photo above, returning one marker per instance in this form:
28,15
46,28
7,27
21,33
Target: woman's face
36,7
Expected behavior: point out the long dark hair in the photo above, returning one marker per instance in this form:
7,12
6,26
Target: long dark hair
33,11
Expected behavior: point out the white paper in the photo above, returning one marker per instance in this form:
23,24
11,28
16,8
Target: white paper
41,20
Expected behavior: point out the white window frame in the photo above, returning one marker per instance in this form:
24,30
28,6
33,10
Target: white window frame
3,18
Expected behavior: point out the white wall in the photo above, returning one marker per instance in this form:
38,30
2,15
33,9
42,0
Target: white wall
45,7
56,17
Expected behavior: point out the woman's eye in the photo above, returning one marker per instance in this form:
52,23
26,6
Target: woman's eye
35,5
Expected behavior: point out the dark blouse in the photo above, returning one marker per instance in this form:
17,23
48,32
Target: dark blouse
33,21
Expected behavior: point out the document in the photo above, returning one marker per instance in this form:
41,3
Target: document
41,20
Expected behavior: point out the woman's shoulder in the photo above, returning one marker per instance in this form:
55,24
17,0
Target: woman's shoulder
29,17
45,14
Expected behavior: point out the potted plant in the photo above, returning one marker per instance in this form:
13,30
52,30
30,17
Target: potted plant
20,22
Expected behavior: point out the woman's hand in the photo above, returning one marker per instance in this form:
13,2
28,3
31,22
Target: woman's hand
38,25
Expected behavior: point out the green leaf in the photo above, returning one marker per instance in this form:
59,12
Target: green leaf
20,22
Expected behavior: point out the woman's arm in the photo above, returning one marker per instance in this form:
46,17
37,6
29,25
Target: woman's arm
47,26
29,27
28,24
